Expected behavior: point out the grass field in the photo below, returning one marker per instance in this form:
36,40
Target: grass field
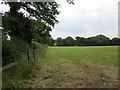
81,67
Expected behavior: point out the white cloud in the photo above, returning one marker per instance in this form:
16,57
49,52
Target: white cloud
109,33
58,33
4,8
92,16
112,33
95,14
88,28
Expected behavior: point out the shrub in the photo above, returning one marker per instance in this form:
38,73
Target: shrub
12,50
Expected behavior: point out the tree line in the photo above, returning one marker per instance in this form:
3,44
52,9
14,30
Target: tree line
98,40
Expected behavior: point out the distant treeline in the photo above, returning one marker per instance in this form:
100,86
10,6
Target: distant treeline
99,40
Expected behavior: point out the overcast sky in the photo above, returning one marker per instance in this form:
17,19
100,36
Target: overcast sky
86,18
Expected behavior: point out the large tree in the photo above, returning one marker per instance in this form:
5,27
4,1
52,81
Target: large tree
68,41
59,41
102,40
80,41
17,24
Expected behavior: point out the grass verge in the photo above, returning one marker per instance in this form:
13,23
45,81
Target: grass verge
24,69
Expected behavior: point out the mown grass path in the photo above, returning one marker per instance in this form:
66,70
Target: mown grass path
76,67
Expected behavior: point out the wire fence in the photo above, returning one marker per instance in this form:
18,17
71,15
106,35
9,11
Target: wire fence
30,56
14,51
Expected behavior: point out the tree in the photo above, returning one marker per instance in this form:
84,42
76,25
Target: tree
47,40
70,1
99,40
16,24
115,41
80,41
68,41
102,40
52,42
59,41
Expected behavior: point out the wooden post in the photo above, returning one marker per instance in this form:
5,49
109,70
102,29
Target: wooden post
28,56
34,55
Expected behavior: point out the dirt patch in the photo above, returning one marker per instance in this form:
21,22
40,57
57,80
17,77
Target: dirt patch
65,74
104,76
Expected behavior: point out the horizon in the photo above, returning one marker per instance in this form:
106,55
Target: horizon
88,37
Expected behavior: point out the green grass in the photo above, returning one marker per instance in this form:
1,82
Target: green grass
61,66
11,77
107,55
71,67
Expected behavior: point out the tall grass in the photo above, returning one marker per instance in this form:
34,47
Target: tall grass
13,49
16,74
13,75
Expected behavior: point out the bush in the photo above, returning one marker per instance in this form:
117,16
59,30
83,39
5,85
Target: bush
9,52
38,45
14,76
12,50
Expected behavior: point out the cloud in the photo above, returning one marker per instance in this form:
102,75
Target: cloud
89,33
85,18
88,17
58,33
110,33
4,8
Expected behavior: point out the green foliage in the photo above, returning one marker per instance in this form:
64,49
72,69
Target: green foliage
80,41
24,30
12,50
115,41
24,69
8,52
16,24
47,40
12,76
52,42
38,45
102,40
59,41
99,40
69,41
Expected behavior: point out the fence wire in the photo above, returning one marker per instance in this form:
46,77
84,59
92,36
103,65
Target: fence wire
20,54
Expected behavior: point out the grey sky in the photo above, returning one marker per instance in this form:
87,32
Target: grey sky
87,18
